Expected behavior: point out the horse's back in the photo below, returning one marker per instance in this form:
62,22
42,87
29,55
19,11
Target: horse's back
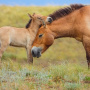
5,29
85,20
85,10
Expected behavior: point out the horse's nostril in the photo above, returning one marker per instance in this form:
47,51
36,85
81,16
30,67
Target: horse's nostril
38,52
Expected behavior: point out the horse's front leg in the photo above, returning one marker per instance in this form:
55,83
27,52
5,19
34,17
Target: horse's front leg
29,55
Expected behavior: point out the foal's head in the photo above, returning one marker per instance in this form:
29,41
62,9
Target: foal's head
44,39
38,19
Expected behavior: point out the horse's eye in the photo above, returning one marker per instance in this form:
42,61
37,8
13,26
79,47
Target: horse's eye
39,17
40,35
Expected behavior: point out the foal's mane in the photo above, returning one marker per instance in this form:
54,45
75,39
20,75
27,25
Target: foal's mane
65,11
28,24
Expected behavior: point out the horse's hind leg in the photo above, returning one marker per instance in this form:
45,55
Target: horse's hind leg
3,46
88,57
86,44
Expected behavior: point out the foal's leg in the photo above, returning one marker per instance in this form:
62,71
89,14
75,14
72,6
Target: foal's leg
29,55
3,46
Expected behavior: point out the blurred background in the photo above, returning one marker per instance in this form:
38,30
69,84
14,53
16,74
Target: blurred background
66,57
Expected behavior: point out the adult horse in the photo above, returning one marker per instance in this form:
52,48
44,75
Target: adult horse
21,37
72,21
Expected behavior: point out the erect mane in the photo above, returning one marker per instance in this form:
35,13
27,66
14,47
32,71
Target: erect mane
65,11
28,24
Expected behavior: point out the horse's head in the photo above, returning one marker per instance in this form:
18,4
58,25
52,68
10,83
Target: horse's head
38,20
44,39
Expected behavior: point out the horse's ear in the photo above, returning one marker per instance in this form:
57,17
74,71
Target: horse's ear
49,20
29,15
33,14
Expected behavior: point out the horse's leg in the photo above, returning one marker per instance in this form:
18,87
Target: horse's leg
88,57
3,46
29,55
86,44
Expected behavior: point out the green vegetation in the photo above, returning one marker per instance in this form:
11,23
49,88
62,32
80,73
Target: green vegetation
62,67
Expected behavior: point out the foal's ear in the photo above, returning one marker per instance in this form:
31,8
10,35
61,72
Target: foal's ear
29,15
49,20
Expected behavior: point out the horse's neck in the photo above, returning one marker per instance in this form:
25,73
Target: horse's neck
33,28
62,27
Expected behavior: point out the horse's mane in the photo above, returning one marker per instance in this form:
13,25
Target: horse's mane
65,11
28,24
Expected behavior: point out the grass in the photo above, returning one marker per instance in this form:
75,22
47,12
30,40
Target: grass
54,77
62,67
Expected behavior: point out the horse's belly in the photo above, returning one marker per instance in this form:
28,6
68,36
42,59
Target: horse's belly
18,43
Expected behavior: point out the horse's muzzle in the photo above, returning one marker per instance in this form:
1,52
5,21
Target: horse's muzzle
36,51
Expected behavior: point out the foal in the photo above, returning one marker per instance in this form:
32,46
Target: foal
21,37
73,21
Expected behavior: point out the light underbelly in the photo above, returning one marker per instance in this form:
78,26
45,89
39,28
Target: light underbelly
18,44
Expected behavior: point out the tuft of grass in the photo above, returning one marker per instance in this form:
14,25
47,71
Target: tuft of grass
87,79
58,72
8,55
72,86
